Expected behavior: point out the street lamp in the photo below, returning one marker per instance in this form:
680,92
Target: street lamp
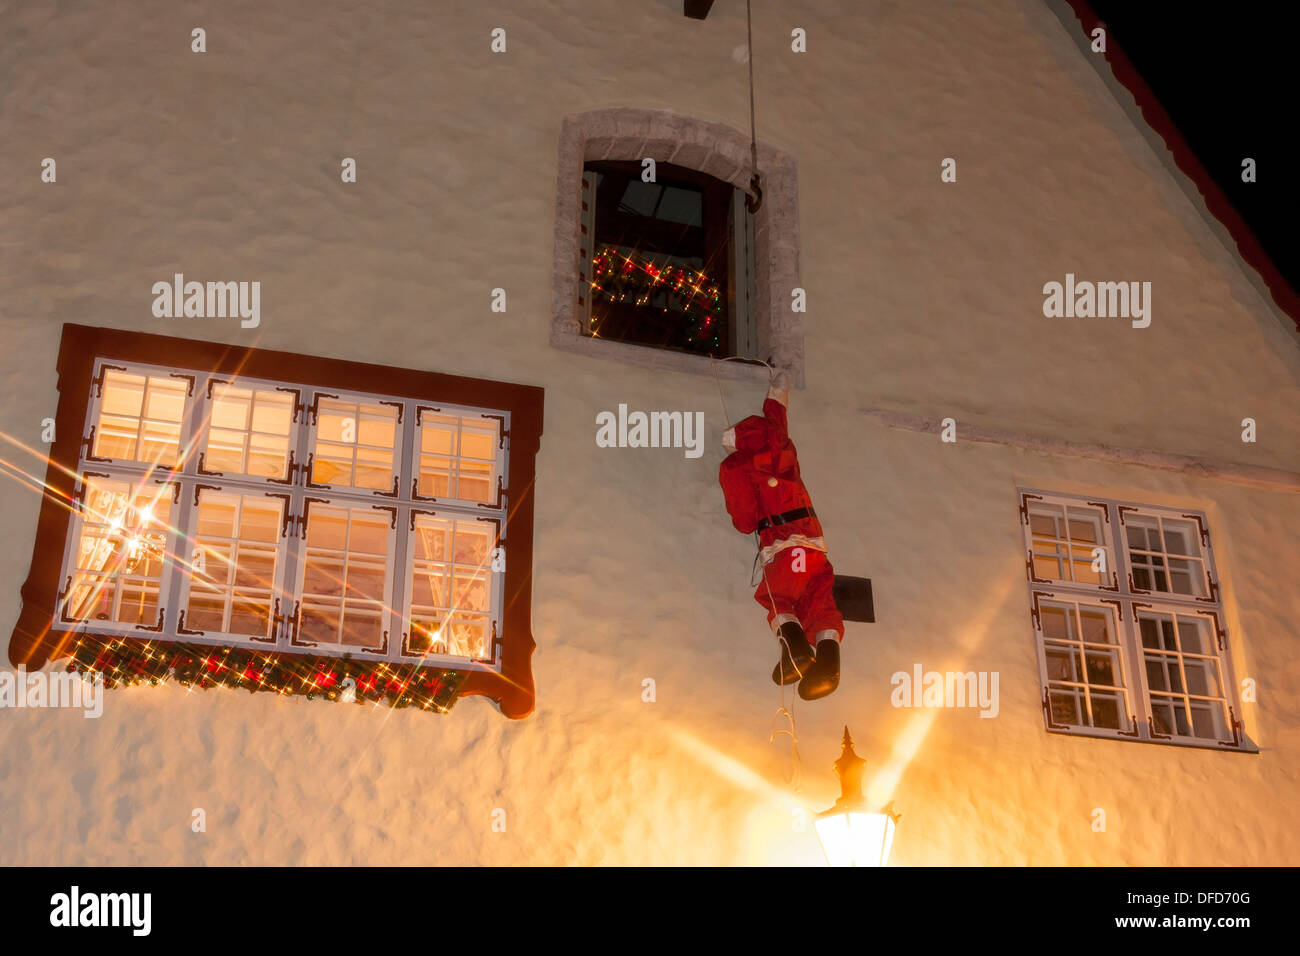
850,834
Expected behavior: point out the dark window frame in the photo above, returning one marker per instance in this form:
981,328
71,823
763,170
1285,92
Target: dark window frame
718,250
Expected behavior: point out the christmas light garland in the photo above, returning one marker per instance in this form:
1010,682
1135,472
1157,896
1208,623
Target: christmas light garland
125,662
637,279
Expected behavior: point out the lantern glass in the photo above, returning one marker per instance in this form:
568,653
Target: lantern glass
855,839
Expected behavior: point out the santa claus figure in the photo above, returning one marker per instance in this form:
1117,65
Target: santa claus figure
760,479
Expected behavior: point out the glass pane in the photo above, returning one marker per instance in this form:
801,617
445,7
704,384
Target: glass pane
471,592
1053,621
1162,716
1202,677
1107,712
475,481
466,636
1065,707
1208,721
1103,668
1042,524
365,582
1048,567
355,444
323,576
206,611
1084,528
369,532
362,627
1181,537
473,542
121,552
123,394
1157,674
237,558
319,624
1062,663
250,616
1096,626
1194,635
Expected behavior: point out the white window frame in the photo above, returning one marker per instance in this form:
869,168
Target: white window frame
1126,601
185,483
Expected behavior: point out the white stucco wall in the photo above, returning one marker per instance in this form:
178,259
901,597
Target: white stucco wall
923,297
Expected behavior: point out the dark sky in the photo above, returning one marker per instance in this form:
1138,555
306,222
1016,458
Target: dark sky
1227,74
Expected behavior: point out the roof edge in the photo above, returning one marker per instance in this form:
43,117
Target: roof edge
1216,202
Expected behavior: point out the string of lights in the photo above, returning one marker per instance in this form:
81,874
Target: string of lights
128,662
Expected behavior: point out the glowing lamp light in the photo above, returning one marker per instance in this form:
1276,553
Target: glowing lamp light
850,834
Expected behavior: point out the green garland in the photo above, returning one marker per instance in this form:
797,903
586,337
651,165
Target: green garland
127,662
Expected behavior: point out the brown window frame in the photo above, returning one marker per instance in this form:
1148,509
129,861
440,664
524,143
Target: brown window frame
41,635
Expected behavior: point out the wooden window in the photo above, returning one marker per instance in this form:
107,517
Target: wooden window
1129,622
303,508
249,431
669,263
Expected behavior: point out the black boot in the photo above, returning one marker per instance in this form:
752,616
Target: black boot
824,676
796,654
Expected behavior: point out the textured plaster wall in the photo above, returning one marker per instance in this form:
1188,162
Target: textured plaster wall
923,297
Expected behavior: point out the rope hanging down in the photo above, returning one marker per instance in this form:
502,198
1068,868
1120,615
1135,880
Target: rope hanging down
755,197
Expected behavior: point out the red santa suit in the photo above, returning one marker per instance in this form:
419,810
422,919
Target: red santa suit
764,493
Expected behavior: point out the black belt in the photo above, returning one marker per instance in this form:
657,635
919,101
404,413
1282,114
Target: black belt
786,517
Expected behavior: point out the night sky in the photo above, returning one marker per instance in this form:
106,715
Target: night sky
1228,81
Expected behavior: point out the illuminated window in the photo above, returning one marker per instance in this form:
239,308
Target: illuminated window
457,456
235,563
285,510
346,564
120,550
355,444
139,417
1129,622
249,432
451,586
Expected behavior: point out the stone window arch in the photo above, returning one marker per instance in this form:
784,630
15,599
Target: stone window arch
626,133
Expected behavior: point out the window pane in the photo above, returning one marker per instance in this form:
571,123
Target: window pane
140,417
1103,668
1202,677
236,562
1062,663
345,575
1065,707
451,602
355,444
1208,721
121,552
1063,542
1106,712
249,431
458,457
1096,627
